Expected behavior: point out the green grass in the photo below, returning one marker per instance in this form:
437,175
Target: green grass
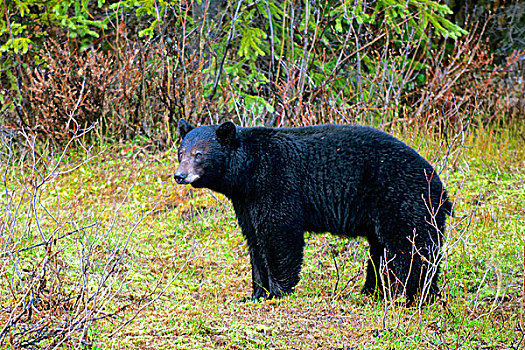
188,246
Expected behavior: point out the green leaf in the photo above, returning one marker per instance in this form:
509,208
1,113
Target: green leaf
17,45
250,43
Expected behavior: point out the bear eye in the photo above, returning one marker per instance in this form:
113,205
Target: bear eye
198,155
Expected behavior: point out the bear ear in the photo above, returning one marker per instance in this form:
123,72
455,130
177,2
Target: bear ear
226,133
184,128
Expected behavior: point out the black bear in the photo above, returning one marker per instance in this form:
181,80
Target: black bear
347,180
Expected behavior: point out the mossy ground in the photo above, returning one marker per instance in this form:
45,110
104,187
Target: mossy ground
186,265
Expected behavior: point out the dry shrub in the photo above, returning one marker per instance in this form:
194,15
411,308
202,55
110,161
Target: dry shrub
68,271
134,87
66,93
470,84
443,90
459,86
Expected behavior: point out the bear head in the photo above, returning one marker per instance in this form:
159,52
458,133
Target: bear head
203,153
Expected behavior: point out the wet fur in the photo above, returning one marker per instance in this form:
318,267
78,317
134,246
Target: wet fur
347,180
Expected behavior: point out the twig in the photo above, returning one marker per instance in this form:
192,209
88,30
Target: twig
272,44
336,270
228,45
54,240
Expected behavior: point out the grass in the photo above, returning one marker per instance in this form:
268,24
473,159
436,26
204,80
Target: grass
184,268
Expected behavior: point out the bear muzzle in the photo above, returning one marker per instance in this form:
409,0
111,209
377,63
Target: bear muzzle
180,178
185,179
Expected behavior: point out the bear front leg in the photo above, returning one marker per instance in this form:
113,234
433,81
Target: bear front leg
284,259
257,249
260,283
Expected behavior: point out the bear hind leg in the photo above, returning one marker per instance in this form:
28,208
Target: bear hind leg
415,270
422,281
373,282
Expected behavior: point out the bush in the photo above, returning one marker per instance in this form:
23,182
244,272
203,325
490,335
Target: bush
134,67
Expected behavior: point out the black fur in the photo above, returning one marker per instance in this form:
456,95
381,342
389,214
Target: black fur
347,180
